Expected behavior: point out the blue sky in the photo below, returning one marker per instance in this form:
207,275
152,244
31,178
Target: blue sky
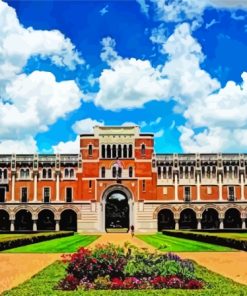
176,68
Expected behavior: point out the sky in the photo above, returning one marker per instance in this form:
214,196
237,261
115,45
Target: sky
176,68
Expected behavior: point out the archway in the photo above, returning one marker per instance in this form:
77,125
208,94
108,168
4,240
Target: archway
46,220
4,221
166,220
210,219
68,220
187,219
117,212
232,219
23,220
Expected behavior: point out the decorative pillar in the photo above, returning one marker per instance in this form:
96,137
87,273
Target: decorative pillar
242,186
243,223
221,224
176,187
220,188
176,224
57,228
35,187
57,186
198,197
34,225
13,188
12,225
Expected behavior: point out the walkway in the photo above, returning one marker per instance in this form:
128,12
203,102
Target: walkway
229,264
17,268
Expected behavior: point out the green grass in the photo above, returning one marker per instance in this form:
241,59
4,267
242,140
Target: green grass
236,235
44,282
58,245
173,244
10,236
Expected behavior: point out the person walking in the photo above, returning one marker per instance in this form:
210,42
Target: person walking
132,230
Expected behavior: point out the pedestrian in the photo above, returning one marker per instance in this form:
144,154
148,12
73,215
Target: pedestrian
132,229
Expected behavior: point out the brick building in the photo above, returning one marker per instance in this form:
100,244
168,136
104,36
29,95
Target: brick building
117,180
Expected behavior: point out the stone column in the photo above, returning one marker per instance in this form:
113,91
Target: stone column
34,225
35,186
12,225
198,197
221,224
199,225
176,187
242,186
220,188
57,187
13,188
176,224
243,223
57,228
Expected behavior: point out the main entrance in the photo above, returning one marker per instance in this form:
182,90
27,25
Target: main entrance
117,209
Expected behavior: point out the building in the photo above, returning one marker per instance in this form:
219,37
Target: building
117,180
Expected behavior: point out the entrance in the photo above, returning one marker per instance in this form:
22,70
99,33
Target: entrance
117,212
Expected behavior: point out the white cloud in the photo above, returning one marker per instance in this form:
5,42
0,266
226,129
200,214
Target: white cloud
144,6
67,147
159,133
86,125
25,145
180,10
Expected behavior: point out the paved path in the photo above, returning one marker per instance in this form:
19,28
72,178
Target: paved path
230,264
17,268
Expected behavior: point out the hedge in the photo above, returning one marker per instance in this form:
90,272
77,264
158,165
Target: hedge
31,239
212,239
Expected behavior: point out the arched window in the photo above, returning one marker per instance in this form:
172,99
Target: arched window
130,151
170,172
71,173
49,173
119,151
186,172
44,173
114,151
208,172
181,172
164,172
27,173
235,172
159,172
103,151
66,173
119,172
90,150
108,151
114,172
103,172
143,149
125,151
130,172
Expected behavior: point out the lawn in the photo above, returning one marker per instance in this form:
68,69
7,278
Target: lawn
10,236
239,235
59,245
42,284
173,244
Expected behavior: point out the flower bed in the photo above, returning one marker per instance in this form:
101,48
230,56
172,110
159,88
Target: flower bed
111,267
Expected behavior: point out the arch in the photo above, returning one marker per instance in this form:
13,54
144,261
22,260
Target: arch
52,209
4,220
68,220
46,220
166,219
23,220
23,207
187,219
117,208
164,207
232,218
210,219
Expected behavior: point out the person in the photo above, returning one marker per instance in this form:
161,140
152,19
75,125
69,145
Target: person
132,229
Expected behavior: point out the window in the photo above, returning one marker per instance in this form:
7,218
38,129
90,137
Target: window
69,173
143,149
130,172
130,151
2,194
68,194
108,151
119,151
103,172
24,194
90,184
3,174
66,173
46,194
44,173
114,172
143,185
114,151
187,193
103,151
231,194
125,151
49,173
159,172
90,150
24,173
119,173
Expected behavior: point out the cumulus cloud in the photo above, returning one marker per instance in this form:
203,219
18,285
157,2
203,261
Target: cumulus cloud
25,145
86,125
180,10
67,147
29,103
